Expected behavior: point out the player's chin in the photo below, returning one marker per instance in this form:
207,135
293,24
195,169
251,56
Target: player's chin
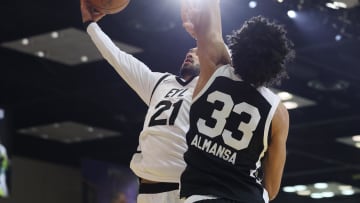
189,69
187,65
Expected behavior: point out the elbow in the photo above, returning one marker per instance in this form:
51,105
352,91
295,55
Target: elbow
272,193
272,196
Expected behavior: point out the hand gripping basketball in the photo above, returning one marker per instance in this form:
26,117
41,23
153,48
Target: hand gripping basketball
108,6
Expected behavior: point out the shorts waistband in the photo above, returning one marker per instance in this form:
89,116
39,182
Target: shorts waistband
152,188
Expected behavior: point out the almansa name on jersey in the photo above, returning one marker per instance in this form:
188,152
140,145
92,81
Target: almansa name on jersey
205,144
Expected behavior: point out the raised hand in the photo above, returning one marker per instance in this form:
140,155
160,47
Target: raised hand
89,13
190,15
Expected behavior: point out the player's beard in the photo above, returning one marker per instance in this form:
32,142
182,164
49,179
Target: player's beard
189,70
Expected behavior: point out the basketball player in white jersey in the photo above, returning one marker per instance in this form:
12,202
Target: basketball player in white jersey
238,127
159,160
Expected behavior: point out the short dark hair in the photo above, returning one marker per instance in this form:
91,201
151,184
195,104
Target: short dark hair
260,51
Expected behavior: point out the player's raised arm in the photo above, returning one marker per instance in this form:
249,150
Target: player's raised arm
202,20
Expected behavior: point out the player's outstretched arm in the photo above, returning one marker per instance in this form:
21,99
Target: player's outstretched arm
135,73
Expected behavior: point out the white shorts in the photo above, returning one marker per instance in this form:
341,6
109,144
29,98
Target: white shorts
164,197
195,198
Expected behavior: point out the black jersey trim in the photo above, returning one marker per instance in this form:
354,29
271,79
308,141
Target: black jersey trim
157,84
182,82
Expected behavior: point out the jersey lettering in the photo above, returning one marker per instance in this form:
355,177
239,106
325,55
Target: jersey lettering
214,148
176,92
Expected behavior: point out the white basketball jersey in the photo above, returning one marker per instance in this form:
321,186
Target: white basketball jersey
162,140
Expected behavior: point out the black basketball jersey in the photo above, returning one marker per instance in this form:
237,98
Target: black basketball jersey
227,139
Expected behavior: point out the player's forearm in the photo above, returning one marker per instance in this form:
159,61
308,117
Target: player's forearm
209,33
207,23
135,73
125,64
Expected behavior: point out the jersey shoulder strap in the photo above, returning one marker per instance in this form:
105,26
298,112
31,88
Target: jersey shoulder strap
157,84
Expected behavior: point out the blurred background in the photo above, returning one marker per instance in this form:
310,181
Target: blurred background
61,103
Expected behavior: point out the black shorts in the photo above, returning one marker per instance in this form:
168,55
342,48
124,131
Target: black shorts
153,188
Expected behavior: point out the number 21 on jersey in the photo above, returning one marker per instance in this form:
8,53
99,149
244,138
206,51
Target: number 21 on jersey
162,107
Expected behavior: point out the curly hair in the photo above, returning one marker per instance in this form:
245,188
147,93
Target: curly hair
260,51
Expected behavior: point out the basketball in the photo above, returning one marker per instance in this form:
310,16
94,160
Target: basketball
109,6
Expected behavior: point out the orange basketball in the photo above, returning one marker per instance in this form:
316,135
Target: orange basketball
109,6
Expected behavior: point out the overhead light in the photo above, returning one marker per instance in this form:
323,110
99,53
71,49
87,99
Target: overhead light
338,4
252,4
353,141
345,187
55,35
348,192
2,113
291,105
292,101
356,138
291,14
300,187
328,194
280,1
84,59
289,189
322,190
338,37
328,85
321,185
25,41
40,54
304,193
285,96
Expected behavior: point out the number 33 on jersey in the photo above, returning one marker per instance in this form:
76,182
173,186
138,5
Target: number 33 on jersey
230,123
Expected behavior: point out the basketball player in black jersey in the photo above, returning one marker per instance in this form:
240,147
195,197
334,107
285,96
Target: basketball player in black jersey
238,127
